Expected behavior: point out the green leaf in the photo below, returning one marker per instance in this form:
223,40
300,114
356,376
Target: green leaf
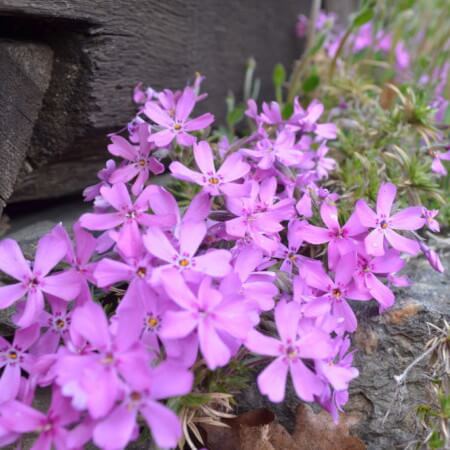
287,111
311,83
318,44
279,75
405,4
235,115
445,405
435,441
363,17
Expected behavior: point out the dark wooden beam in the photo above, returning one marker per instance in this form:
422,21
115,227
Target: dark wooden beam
102,48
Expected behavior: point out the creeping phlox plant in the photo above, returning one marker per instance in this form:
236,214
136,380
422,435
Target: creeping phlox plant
127,315
195,282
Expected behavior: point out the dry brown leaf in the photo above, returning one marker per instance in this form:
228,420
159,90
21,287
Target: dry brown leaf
258,430
319,432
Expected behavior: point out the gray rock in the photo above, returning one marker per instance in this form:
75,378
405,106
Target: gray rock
386,345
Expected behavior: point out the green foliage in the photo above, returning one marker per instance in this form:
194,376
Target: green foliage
387,128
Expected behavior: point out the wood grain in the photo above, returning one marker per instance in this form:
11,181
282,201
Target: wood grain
102,48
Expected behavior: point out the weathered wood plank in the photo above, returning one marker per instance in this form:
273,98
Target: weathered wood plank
103,47
25,71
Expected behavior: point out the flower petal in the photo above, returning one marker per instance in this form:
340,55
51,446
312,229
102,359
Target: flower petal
385,199
164,424
306,383
272,380
408,219
401,243
12,261
117,429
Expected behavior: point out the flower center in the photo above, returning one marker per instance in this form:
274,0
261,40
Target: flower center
177,127
108,359
60,324
336,293
292,257
291,352
13,355
213,180
142,163
135,396
141,272
183,262
152,322
384,224
130,214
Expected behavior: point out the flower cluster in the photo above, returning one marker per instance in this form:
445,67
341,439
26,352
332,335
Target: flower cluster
193,283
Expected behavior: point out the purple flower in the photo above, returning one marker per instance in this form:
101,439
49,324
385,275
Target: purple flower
138,164
79,254
178,126
337,291
402,57
57,322
290,351
91,192
126,212
259,215
117,429
306,120
215,263
257,287
301,26
369,267
436,165
430,221
337,369
14,358
214,182
282,149
34,280
94,379
51,428
340,239
432,257
384,224
215,319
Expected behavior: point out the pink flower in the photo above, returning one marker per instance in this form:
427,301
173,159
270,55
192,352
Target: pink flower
94,379
282,149
214,182
14,358
337,291
177,127
126,212
384,224
306,120
91,192
369,267
430,221
51,428
117,429
259,215
35,280
215,263
340,239
215,319
79,254
432,257
436,165
289,351
138,164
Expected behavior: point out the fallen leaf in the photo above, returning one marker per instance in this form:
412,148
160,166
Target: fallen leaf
319,432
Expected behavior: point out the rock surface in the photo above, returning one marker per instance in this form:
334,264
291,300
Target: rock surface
386,345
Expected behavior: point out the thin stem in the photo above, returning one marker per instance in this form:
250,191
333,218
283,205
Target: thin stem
401,378
300,63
